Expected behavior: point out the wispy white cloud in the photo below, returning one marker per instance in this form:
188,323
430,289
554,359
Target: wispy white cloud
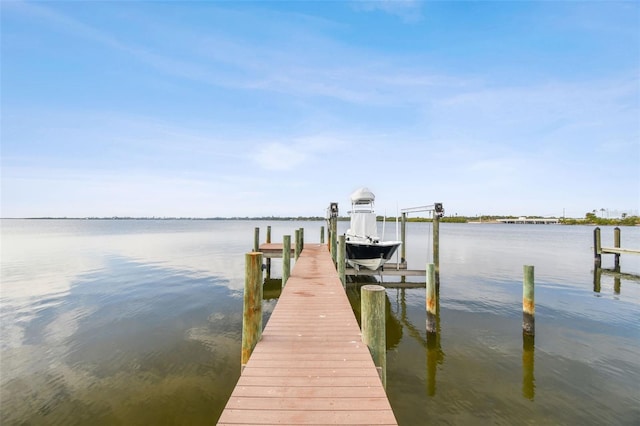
408,10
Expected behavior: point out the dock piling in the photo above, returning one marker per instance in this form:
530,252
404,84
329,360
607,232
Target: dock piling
334,239
597,247
298,244
252,301
256,239
528,302
616,244
436,246
286,258
322,235
432,305
373,326
403,238
268,261
342,259
301,239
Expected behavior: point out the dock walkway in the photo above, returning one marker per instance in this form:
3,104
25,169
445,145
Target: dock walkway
311,366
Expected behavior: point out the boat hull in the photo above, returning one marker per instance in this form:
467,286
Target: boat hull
371,256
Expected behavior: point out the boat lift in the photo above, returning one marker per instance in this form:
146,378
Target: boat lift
437,211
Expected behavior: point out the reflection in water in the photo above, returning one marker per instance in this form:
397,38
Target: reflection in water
528,358
597,277
271,288
435,354
393,327
617,278
138,322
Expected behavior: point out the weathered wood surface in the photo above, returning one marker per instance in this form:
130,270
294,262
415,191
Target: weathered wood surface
619,250
311,366
274,250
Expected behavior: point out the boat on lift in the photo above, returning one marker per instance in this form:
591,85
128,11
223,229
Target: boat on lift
363,246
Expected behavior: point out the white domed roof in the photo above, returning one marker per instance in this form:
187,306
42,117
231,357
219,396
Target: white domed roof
362,196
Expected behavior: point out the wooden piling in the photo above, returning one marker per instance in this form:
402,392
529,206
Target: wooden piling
436,246
403,238
286,258
256,239
252,310
268,261
322,235
298,245
342,259
597,247
301,239
432,306
373,326
334,239
616,244
528,302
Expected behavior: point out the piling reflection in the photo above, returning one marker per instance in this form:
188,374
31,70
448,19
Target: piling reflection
528,361
435,354
398,322
393,326
272,288
618,276
597,276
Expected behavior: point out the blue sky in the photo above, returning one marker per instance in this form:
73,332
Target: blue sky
278,108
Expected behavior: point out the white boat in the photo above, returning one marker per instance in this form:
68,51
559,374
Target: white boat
363,246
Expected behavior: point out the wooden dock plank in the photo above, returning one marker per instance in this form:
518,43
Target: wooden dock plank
311,366
310,392
274,250
308,417
306,403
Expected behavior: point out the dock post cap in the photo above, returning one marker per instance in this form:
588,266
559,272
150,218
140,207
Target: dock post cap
372,287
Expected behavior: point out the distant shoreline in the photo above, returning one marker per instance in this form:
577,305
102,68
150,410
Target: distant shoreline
591,221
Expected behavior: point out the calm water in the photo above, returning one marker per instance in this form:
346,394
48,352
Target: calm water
138,322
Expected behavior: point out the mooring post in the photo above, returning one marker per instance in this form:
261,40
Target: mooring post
298,244
342,259
322,235
252,309
372,307
268,259
334,239
403,238
256,239
286,258
301,239
597,248
436,247
616,244
528,302
432,305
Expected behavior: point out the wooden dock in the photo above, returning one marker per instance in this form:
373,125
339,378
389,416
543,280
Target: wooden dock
274,250
311,366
